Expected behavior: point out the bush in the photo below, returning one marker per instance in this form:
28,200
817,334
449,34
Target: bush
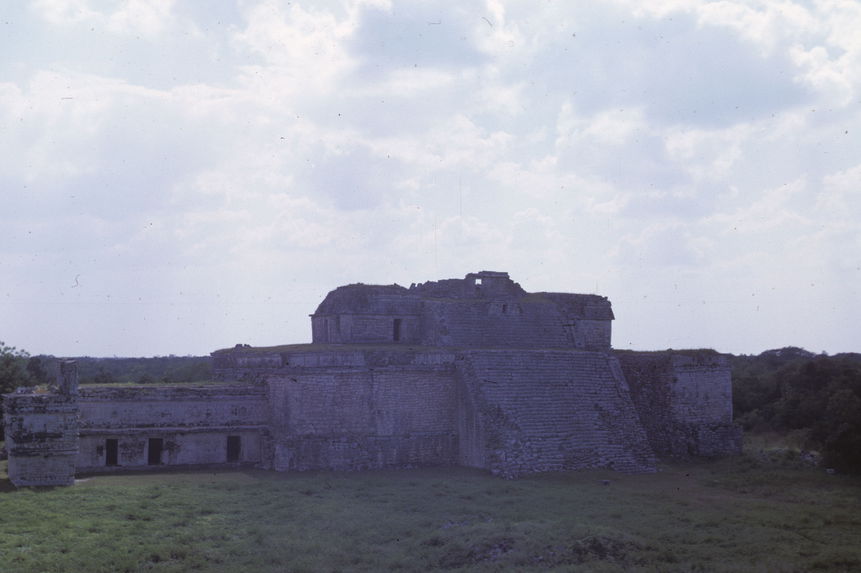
814,396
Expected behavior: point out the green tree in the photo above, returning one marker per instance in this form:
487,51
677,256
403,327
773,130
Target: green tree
13,373
792,390
38,371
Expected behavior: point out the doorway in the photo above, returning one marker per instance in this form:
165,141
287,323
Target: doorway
154,449
112,450
234,447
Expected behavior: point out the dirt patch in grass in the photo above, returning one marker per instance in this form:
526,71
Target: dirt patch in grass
468,555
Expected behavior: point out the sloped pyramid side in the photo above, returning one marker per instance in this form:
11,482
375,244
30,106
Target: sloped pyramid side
546,410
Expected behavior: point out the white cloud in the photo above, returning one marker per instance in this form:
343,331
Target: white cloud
60,12
840,196
610,127
148,18
302,51
708,154
664,245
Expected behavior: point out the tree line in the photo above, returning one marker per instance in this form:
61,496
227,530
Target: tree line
153,370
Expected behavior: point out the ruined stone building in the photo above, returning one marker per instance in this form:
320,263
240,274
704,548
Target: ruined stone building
473,372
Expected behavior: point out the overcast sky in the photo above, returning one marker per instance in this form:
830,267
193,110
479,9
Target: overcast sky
181,176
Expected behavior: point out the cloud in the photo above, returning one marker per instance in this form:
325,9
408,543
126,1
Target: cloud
411,35
115,146
664,244
680,69
218,168
839,197
148,18
301,51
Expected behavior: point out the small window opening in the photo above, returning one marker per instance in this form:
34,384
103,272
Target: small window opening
112,449
234,447
155,446
477,282
396,330
504,308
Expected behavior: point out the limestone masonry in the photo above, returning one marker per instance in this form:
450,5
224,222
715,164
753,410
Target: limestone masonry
474,372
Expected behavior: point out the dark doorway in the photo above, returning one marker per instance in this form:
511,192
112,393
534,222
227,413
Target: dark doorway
396,330
154,451
112,449
234,447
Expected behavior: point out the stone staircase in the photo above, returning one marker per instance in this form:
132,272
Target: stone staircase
550,410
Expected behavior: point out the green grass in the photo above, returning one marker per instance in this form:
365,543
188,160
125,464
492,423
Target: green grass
731,515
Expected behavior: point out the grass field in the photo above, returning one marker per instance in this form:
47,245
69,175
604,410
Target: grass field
730,515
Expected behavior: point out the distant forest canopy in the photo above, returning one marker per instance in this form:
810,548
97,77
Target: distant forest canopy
21,369
154,370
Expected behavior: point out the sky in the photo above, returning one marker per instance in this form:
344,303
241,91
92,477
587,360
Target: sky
182,176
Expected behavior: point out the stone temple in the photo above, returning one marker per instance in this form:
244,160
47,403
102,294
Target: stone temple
461,372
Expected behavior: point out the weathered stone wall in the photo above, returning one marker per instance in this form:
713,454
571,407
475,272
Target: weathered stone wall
42,431
532,411
193,424
484,284
119,407
366,328
41,438
366,314
684,401
493,324
592,334
197,447
483,310
395,410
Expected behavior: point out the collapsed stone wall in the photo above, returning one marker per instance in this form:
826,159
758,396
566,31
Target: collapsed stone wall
42,432
485,310
684,401
41,439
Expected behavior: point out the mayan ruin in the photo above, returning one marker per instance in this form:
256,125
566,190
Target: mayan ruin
472,372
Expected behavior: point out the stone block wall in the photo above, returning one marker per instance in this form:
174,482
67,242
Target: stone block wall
591,334
187,425
366,328
483,310
200,447
395,410
41,438
494,324
118,408
684,401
